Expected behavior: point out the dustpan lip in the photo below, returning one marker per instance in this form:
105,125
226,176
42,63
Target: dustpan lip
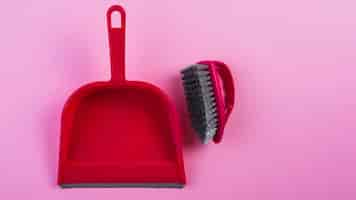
122,185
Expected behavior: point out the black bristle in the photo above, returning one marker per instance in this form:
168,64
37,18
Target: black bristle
201,102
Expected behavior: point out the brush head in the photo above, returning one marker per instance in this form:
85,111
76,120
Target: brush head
201,100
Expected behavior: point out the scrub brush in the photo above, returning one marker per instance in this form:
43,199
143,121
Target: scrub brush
209,91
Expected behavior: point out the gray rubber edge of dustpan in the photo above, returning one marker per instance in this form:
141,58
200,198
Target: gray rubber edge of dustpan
122,185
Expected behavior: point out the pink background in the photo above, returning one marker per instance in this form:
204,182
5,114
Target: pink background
293,135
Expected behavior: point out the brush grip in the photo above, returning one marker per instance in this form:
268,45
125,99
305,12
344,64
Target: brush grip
117,44
228,86
223,83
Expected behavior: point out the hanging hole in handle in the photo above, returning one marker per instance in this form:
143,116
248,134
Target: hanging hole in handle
116,19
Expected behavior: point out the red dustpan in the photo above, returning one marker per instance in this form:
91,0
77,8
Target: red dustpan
119,133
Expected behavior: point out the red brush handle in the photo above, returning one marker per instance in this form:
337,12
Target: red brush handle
228,86
225,93
117,44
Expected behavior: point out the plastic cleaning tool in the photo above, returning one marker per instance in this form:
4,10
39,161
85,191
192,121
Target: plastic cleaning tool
120,133
210,96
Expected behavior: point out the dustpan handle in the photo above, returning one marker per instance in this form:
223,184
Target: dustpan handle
117,43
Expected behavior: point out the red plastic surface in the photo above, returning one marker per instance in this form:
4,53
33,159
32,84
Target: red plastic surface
223,85
119,132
